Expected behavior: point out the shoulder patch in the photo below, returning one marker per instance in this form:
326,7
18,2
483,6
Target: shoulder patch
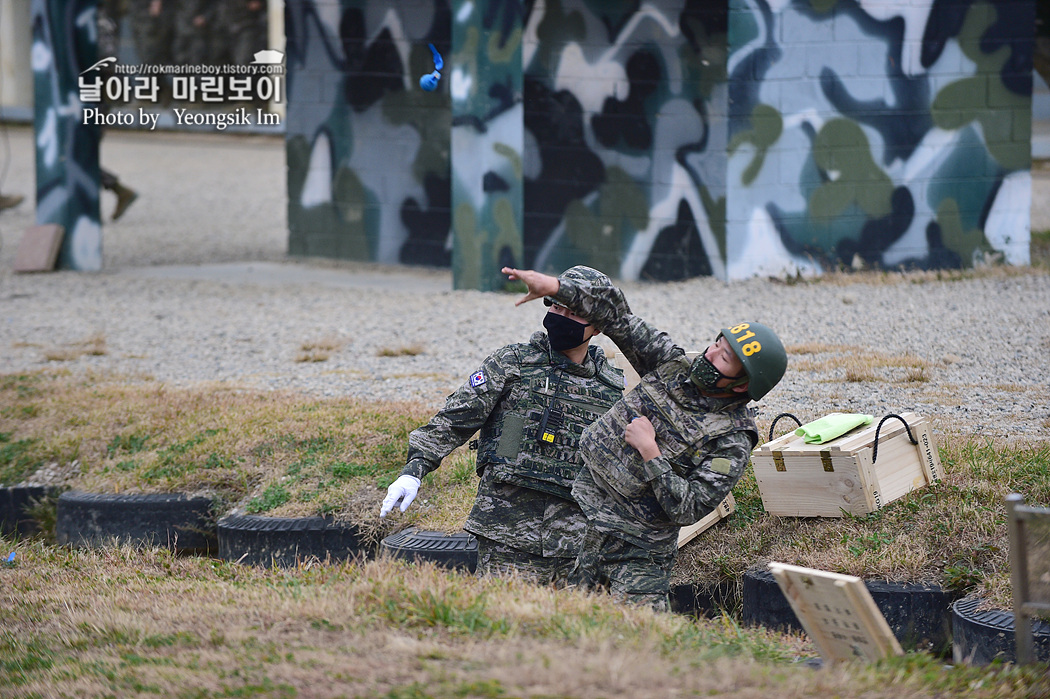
477,379
721,465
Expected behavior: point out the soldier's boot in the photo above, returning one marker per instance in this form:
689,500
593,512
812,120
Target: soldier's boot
125,195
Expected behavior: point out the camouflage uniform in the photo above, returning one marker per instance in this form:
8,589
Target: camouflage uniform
635,508
523,515
110,14
153,33
242,30
191,44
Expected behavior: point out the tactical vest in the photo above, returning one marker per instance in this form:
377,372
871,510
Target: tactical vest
681,432
514,449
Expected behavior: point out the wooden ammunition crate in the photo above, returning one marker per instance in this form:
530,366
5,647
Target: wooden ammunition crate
797,479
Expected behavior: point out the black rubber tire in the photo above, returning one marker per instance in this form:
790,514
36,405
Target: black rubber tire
15,505
453,551
979,637
172,520
704,599
919,615
287,541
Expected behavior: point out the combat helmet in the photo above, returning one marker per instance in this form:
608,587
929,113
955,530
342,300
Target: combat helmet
582,273
760,351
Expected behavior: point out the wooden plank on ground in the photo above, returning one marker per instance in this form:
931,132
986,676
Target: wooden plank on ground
724,509
38,249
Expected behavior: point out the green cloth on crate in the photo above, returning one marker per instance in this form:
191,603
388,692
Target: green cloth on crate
831,426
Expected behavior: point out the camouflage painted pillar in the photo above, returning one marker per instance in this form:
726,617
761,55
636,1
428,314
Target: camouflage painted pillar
65,42
488,127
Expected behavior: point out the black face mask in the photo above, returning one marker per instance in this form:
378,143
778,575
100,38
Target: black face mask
563,333
706,376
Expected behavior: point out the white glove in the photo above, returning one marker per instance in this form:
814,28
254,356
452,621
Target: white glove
403,489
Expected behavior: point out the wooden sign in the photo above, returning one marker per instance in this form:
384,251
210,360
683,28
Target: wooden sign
837,612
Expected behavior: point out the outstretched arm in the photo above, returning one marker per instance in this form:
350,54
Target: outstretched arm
539,284
465,411
644,346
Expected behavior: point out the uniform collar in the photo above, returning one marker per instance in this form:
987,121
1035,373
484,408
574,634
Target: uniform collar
586,370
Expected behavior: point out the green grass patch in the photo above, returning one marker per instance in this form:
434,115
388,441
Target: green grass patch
273,497
18,458
128,444
21,658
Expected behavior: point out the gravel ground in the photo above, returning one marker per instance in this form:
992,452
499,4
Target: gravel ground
198,288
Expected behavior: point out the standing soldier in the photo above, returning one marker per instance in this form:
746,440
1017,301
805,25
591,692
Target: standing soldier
531,402
193,29
669,452
241,30
244,26
153,32
153,28
110,15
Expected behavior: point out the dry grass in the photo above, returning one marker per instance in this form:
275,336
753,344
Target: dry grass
404,351
992,268
319,350
916,375
92,346
126,622
268,452
856,364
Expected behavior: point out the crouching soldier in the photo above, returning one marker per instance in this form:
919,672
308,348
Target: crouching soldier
531,402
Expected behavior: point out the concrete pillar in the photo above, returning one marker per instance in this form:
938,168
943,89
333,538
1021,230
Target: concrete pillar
484,75
65,42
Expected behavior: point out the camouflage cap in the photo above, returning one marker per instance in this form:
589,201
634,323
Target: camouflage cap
582,273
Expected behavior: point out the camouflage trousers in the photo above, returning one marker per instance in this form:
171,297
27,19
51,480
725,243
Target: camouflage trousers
629,573
495,558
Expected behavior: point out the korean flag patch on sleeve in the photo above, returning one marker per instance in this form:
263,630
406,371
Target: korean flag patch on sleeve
478,379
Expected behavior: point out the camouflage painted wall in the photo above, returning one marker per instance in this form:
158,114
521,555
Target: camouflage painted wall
485,82
662,140
368,151
67,172
878,133
626,118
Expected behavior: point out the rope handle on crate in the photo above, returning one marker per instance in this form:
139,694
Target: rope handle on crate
875,447
797,421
